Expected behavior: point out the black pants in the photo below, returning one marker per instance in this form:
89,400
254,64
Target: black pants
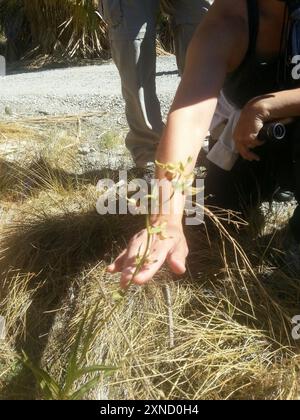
248,184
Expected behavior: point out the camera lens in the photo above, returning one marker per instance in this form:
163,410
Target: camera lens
279,131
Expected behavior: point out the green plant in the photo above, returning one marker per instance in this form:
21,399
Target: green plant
76,369
67,29
64,29
232,328
111,140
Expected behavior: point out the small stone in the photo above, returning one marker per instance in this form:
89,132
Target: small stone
8,111
84,150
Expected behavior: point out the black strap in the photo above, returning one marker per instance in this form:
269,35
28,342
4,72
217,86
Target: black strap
253,21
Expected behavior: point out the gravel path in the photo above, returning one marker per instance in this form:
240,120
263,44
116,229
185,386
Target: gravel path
85,89
78,89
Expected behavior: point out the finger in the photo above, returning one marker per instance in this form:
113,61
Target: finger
250,143
127,276
117,265
136,248
158,253
247,154
149,270
177,258
255,143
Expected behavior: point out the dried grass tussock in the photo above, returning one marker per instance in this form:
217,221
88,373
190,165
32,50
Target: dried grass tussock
13,130
52,31
230,332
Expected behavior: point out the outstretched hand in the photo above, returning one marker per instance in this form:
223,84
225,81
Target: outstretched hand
172,248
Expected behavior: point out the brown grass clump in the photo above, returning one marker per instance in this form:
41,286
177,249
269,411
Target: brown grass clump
231,313
67,29
51,32
14,131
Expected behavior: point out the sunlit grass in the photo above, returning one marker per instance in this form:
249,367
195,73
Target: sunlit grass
15,131
59,31
231,312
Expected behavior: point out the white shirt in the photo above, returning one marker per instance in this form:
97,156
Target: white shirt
224,153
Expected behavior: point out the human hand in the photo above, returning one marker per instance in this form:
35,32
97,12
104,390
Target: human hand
246,133
171,248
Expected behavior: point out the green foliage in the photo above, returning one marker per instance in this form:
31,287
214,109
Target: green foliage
68,29
76,370
64,29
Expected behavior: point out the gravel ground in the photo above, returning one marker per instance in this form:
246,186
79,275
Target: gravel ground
78,89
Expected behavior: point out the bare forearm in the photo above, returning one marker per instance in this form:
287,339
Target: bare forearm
273,107
182,142
279,105
208,61
185,133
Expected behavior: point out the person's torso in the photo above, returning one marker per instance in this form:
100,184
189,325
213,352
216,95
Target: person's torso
256,75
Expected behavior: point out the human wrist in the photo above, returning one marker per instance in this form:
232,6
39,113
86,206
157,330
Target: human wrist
173,219
258,108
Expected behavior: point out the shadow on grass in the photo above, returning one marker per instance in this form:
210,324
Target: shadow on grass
18,183
266,299
56,250
59,248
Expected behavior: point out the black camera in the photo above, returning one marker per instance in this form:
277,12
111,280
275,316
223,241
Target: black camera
273,132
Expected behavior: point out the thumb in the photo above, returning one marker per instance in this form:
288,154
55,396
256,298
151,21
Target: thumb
177,258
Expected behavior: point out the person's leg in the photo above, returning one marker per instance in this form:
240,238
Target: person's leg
185,17
132,31
236,190
295,220
246,185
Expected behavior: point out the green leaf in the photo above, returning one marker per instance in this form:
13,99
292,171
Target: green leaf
108,370
49,387
132,201
79,394
89,336
72,362
117,297
154,230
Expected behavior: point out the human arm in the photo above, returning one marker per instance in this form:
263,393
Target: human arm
218,47
261,110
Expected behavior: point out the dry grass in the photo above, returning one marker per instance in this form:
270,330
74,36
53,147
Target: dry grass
51,32
15,131
232,311
50,27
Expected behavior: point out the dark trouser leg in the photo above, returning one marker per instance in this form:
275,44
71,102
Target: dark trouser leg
295,220
185,17
250,183
132,30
